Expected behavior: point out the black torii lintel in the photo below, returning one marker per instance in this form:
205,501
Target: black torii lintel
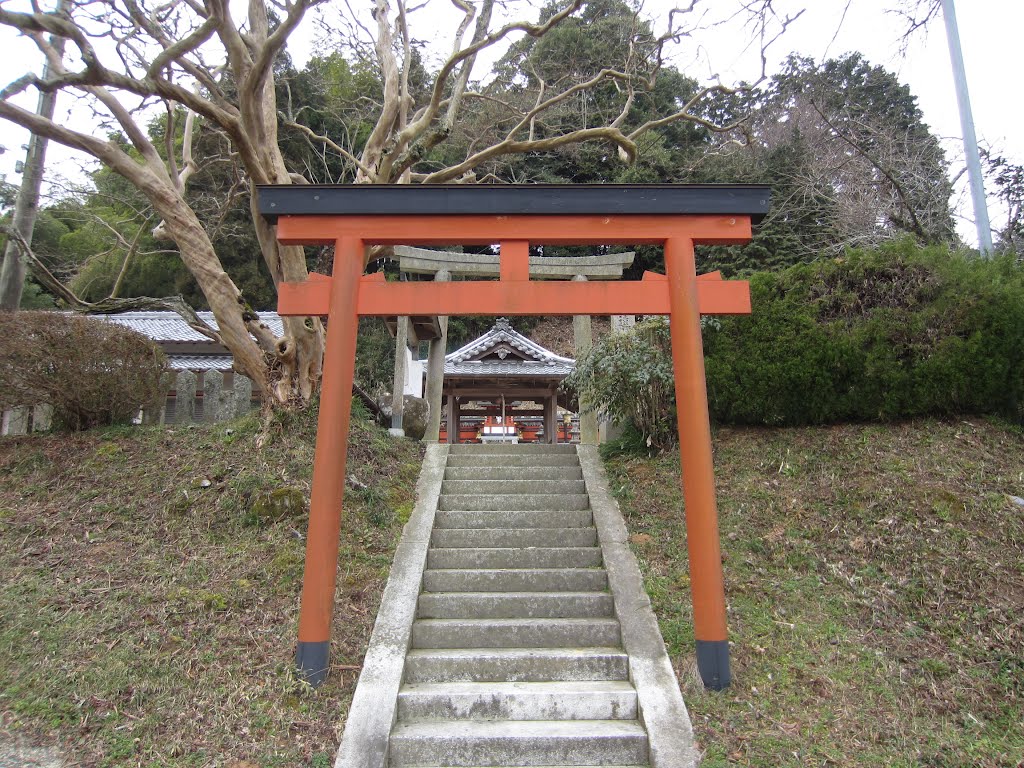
514,199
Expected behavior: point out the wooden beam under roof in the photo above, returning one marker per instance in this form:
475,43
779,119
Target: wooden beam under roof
421,328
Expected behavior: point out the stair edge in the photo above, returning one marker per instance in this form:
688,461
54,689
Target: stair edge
364,743
662,709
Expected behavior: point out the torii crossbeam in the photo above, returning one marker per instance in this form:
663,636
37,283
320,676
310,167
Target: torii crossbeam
515,216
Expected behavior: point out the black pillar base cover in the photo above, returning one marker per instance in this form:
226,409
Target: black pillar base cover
312,660
713,663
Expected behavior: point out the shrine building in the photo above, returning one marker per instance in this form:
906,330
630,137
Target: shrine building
504,387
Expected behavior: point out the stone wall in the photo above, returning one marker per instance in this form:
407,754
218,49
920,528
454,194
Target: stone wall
192,397
206,396
25,419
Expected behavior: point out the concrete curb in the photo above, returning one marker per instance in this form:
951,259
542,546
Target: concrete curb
661,704
375,703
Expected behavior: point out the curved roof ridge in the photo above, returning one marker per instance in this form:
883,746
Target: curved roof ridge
502,331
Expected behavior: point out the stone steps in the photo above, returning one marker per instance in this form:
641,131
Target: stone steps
515,664
514,633
515,580
518,743
503,538
490,502
527,518
512,474
513,460
514,557
510,486
511,632
515,656
547,700
515,605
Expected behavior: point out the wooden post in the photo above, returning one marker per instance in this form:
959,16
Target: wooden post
453,427
583,340
325,506
435,372
706,582
551,418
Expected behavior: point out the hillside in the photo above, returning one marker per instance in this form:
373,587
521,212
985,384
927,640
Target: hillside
875,576
875,581
148,618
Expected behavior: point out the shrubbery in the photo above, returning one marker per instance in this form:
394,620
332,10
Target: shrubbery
628,377
93,373
882,334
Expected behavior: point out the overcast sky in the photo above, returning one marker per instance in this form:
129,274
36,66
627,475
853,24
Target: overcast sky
990,34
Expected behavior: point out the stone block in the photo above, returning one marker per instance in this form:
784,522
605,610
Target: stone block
42,418
185,397
622,323
16,421
213,396
242,402
414,418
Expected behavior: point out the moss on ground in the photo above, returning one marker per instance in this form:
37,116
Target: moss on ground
875,576
144,620
875,582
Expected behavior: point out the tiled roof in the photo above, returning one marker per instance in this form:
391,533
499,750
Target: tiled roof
200,362
509,368
170,327
540,362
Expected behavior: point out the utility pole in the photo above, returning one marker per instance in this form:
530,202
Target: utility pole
967,126
26,208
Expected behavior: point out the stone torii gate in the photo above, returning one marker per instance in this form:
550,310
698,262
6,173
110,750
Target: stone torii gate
443,265
354,217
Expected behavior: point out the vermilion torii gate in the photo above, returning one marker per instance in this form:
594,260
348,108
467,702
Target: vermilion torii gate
354,217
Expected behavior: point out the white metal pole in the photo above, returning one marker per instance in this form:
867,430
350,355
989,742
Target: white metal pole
967,125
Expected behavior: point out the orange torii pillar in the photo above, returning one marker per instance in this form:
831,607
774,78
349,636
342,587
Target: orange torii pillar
352,218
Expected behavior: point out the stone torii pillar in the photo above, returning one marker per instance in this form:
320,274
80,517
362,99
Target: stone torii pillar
398,393
583,341
435,371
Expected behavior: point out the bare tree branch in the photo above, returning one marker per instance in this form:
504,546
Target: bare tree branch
507,147
421,124
327,141
111,305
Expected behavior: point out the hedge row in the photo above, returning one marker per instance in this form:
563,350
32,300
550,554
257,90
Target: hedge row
882,334
890,333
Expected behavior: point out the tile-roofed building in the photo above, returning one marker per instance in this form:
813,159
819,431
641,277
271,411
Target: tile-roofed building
500,367
186,348
504,352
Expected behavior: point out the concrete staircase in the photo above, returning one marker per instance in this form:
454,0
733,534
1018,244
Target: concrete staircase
516,655
514,629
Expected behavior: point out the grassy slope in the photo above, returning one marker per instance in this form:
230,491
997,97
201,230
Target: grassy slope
875,579
145,620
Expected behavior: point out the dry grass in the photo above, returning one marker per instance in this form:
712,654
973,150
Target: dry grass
875,576
875,579
146,619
